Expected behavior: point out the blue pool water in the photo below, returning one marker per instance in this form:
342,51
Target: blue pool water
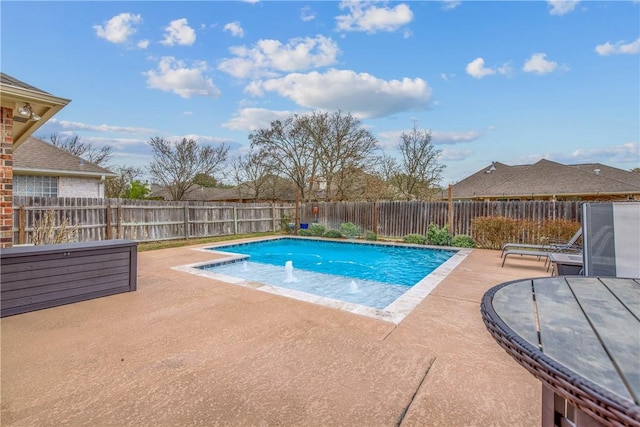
366,274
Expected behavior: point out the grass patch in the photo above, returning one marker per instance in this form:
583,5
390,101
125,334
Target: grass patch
164,244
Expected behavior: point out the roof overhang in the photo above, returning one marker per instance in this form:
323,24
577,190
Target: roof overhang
56,172
43,104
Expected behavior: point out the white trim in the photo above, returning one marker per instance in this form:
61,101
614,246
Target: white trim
60,172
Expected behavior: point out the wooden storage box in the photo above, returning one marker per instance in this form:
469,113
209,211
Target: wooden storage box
37,277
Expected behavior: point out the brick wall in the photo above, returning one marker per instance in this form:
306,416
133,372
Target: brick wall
80,187
6,178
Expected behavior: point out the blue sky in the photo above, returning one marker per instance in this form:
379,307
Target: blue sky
512,82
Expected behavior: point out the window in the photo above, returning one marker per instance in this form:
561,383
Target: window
35,185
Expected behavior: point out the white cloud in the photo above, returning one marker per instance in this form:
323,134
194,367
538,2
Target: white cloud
179,32
477,70
624,153
173,76
270,56
628,153
539,64
117,143
79,126
561,7
619,48
255,118
455,155
307,14
234,28
450,4
365,16
361,94
450,138
389,140
143,44
202,139
119,28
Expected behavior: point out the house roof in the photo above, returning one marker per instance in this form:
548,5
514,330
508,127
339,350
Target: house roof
15,93
36,157
240,192
196,193
546,178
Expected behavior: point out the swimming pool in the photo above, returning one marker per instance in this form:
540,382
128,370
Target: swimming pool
375,279
396,265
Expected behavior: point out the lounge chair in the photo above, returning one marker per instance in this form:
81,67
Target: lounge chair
611,239
525,252
570,245
543,251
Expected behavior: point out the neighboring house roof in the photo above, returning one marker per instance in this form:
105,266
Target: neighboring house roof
15,94
196,193
36,157
546,179
285,193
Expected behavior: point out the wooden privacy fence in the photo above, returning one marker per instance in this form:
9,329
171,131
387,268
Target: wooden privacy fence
399,218
141,220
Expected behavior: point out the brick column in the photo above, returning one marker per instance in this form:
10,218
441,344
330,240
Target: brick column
6,178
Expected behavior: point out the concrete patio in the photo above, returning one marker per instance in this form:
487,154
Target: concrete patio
185,350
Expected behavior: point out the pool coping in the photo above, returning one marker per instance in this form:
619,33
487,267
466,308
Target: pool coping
393,313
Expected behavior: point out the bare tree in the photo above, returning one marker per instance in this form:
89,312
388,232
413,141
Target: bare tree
97,155
254,172
289,149
116,187
418,171
317,146
341,147
176,164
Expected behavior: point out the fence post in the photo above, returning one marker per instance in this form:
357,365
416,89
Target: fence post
119,221
450,211
273,215
235,220
22,225
375,218
107,216
186,222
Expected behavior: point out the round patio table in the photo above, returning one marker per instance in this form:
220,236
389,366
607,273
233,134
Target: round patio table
580,336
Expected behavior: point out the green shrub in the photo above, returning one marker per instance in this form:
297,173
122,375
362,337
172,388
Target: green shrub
462,241
416,239
317,230
305,232
370,235
333,234
438,236
349,230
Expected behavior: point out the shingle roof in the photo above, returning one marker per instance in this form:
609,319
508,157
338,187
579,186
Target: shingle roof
35,155
6,79
239,192
546,178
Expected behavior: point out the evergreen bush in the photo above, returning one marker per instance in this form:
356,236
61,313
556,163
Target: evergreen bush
317,230
370,235
349,230
333,234
438,236
462,241
416,239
